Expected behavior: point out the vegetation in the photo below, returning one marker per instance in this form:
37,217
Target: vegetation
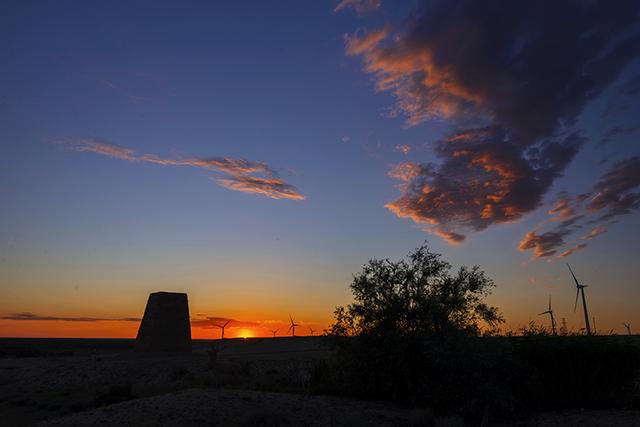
414,335
414,297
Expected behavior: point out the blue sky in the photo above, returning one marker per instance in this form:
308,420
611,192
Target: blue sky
87,234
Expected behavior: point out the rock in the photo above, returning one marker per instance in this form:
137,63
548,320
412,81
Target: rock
165,325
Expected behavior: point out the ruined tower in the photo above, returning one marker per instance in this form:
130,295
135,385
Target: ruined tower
165,325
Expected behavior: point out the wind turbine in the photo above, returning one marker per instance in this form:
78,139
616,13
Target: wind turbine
550,313
274,331
222,327
628,326
580,290
292,328
313,331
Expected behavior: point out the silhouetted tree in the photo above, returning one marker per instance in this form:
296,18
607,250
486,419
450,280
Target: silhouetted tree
416,296
405,336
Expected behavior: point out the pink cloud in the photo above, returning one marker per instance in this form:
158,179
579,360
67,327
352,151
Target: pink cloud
238,174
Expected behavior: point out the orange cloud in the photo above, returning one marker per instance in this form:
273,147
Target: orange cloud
573,250
543,245
482,179
449,236
358,45
458,62
35,317
595,232
238,174
270,187
562,210
614,194
94,146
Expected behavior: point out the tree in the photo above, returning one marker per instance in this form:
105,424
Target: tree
416,296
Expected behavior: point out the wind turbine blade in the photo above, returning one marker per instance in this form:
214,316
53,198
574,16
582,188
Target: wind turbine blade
574,276
227,322
575,306
544,312
549,302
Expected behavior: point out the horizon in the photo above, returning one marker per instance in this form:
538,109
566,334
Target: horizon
255,158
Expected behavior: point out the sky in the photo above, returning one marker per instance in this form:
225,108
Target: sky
256,154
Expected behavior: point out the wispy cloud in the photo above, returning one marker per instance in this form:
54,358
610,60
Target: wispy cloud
98,147
576,248
403,148
616,193
511,93
274,188
237,174
616,132
360,6
595,232
131,95
32,316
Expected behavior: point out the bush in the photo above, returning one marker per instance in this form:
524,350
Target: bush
411,336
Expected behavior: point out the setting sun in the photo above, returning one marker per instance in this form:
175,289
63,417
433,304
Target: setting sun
244,333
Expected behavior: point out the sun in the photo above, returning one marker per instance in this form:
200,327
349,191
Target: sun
245,333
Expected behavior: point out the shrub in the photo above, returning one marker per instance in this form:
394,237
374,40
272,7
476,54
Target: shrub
411,336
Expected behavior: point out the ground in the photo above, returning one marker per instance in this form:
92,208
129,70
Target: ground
261,381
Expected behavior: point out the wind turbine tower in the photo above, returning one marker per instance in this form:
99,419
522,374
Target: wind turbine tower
550,313
274,332
292,328
580,291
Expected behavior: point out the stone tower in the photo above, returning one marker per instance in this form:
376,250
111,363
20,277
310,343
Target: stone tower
165,325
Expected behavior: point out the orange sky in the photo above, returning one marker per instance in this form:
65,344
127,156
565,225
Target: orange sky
129,329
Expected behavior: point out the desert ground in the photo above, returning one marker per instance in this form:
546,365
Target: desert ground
253,382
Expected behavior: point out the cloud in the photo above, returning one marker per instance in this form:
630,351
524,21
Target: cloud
614,132
356,44
31,316
573,250
545,244
482,179
595,232
449,236
563,209
403,148
94,146
511,78
360,6
616,193
274,188
238,174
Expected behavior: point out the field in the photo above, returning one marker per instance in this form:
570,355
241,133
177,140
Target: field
259,381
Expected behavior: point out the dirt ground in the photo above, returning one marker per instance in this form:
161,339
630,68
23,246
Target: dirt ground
254,382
